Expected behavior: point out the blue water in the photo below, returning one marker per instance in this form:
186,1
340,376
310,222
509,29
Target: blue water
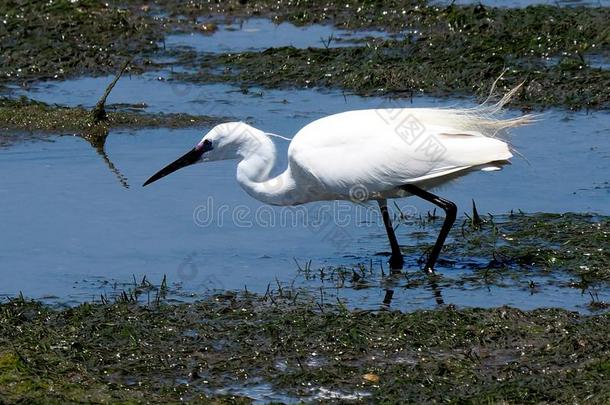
71,231
257,34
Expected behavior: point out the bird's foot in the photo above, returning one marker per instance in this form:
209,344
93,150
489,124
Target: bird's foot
396,263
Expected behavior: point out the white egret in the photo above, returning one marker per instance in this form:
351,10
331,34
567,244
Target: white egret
365,155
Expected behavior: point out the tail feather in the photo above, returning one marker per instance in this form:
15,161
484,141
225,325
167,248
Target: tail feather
482,120
485,119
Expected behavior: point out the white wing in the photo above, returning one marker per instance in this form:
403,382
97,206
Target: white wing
385,148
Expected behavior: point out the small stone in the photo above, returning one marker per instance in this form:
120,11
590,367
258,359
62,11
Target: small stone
370,377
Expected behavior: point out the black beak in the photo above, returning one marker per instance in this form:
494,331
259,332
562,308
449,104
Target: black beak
188,159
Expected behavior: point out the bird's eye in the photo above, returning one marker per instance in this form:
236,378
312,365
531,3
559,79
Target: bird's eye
207,145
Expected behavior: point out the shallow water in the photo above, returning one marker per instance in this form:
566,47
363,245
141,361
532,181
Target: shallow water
257,34
72,232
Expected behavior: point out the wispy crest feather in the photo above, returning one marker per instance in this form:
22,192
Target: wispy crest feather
483,119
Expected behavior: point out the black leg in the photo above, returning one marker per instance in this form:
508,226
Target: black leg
396,261
387,299
450,214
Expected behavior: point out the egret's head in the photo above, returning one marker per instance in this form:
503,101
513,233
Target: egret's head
231,140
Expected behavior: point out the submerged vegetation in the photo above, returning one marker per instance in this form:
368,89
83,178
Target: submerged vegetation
28,115
303,349
575,244
62,38
391,68
445,50
439,49
566,251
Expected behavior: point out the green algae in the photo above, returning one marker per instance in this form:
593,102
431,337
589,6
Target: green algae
453,49
128,352
441,50
62,38
29,115
378,70
572,244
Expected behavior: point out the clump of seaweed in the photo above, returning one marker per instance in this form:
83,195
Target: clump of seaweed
454,49
438,50
125,351
62,38
27,115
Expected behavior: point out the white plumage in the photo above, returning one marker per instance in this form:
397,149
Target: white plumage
369,151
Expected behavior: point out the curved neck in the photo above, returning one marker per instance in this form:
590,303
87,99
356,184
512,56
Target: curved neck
253,172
